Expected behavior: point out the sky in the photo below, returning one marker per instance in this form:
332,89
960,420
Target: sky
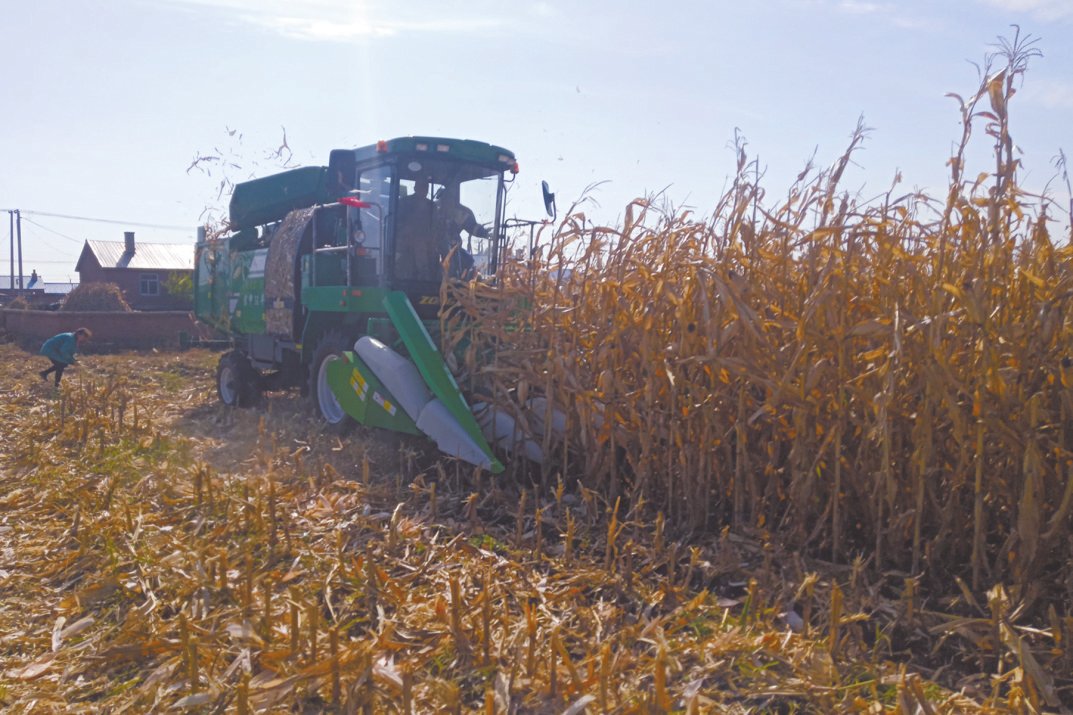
107,106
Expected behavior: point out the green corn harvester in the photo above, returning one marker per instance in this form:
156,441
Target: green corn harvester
330,277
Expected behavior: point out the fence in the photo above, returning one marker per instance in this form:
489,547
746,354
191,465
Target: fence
111,330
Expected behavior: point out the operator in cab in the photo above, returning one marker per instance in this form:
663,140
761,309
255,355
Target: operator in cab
452,217
417,255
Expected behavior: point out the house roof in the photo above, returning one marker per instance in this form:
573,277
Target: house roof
7,280
36,282
146,256
52,288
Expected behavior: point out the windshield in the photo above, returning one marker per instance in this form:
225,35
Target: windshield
445,209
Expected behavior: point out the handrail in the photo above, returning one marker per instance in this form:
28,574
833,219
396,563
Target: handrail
350,245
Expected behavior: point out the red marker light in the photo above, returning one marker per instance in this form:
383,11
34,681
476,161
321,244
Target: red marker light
514,169
355,202
381,146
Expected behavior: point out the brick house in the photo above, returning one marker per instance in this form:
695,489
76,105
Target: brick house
141,271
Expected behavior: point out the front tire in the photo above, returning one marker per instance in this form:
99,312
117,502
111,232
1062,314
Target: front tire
329,349
236,380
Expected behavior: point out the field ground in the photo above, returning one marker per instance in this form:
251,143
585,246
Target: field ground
163,552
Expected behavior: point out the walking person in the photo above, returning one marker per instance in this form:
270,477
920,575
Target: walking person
60,349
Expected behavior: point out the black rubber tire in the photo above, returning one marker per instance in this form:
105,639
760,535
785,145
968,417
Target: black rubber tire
237,383
325,406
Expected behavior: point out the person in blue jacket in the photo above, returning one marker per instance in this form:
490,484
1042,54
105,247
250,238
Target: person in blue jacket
60,349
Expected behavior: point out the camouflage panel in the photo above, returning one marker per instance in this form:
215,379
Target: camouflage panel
279,273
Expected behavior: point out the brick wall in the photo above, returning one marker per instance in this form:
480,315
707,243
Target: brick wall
110,330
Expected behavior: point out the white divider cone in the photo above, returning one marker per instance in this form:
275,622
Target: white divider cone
501,429
437,423
403,380
537,410
399,375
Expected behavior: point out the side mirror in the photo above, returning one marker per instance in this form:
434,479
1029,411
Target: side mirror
549,199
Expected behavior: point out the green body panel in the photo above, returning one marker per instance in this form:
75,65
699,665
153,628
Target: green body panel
430,364
341,299
364,397
269,199
246,297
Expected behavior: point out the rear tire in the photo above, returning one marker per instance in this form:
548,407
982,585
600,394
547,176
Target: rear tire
329,349
236,380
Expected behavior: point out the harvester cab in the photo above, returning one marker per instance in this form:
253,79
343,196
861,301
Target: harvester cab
330,278
418,205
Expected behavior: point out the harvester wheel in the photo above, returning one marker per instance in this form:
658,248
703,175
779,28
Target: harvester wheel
236,380
328,350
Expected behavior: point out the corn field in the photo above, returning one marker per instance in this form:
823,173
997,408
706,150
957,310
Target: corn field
889,378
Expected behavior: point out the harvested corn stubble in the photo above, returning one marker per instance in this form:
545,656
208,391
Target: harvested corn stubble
169,598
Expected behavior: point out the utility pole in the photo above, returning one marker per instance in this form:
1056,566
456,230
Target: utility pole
11,262
18,231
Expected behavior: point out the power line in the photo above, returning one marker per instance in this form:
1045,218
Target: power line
35,261
50,230
164,227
